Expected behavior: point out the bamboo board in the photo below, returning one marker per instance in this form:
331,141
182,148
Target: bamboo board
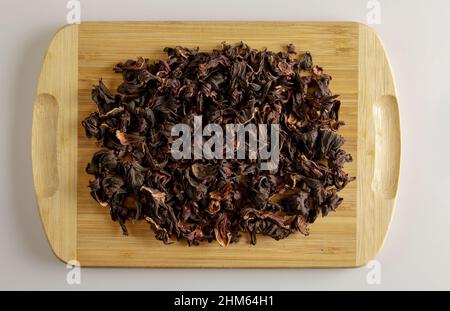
79,229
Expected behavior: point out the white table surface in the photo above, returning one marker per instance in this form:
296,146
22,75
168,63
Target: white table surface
416,254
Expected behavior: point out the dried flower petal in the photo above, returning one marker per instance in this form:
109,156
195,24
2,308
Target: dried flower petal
136,177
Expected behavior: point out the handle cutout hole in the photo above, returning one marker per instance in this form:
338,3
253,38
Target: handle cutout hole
387,147
45,130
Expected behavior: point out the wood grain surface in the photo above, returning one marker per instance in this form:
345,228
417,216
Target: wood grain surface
54,143
78,228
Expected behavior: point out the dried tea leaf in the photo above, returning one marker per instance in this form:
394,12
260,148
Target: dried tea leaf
136,177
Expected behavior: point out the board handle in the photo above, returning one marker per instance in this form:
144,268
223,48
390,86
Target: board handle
387,147
54,143
379,146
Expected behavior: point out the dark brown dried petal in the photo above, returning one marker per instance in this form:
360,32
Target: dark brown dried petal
306,62
222,230
205,200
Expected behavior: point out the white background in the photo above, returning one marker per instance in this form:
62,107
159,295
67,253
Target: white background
416,254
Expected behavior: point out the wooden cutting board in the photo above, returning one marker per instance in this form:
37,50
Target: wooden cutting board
78,228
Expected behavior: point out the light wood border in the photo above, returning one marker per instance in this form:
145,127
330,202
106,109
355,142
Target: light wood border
379,146
54,143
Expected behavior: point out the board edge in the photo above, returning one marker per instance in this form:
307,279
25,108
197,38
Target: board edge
54,143
379,146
